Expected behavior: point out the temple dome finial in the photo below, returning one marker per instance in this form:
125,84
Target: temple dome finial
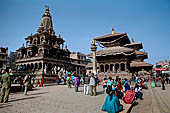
113,31
46,8
133,41
23,46
46,21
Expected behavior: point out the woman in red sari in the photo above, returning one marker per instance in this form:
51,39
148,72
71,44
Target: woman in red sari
42,81
119,86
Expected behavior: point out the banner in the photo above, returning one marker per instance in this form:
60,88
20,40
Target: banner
161,69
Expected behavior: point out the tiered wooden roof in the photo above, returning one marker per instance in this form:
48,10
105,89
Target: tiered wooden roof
134,45
116,50
140,64
116,39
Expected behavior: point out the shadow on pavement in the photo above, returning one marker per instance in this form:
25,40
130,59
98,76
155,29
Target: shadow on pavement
35,88
17,93
81,91
24,98
100,92
38,93
135,104
5,105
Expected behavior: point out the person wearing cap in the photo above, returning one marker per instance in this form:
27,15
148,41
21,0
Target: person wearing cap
26,83
6,83
92,85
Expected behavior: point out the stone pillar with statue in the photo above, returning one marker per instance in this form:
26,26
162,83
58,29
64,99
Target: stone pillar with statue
93,49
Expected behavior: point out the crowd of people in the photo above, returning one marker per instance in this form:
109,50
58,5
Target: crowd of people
89,82
159,81
115,88
122,89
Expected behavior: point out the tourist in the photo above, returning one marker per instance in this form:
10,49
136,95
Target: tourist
38,83
153,83
123,81
57,79
112,103
21,82
141,83
86,85
6,84
138,94
145,84
62,81
76,83
137,79
120,93
72,78
167,80
26,83
127,86
109,85
42,81
130,81
81,80
68,82
116,81
133,78
105,77
97,80
119,86
104,84
92,85
117,78
15,80
163,83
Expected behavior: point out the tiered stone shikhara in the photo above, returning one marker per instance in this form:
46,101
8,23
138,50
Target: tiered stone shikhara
119,55
44,53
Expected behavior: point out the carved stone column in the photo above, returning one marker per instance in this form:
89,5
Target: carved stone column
119,67
93,49
126,67
109,68
99,69
104,68
113,68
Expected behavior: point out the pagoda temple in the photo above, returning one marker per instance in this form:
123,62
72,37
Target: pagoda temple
120,55
44,53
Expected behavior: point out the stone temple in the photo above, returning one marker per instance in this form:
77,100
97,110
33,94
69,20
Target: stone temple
119,55
44,53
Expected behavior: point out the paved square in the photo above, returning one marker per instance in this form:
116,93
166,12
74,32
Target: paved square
54,99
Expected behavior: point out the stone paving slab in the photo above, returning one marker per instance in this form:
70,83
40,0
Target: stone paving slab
155,100
55,99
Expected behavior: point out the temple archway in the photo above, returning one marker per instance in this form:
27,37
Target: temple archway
40,65
116,67
106,68
102,68
122,66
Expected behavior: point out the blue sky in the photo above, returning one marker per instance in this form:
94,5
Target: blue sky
79,21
